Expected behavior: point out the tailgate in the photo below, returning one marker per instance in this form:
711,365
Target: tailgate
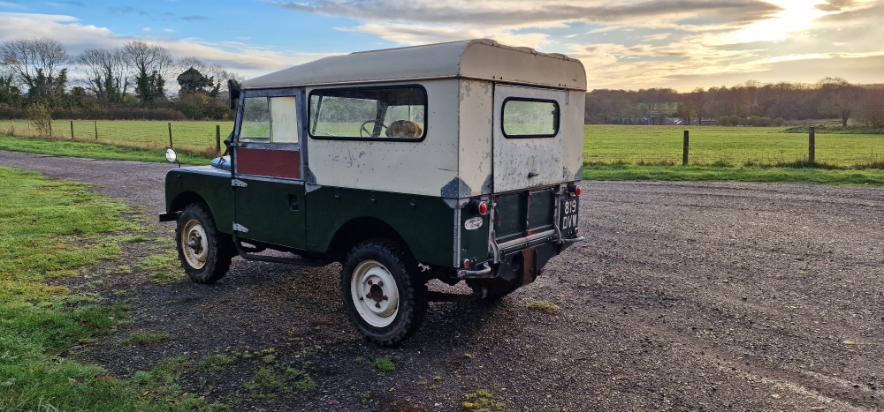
523,216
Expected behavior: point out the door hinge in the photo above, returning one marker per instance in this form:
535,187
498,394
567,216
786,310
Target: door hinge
238,183
240,228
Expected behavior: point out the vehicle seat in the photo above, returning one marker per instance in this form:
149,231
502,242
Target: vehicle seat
404,128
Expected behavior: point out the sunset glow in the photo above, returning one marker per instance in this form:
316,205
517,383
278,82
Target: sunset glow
680,44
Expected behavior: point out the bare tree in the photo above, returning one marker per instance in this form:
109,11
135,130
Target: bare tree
150,58
839,97
700,103
108,74
32,61
150,63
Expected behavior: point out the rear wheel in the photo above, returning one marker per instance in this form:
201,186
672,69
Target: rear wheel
383,298
204,254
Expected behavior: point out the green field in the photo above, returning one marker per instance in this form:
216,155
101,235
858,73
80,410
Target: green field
86,149
190,136
610,151
737,146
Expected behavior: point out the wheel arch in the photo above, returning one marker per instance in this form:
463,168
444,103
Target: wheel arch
360,229
183,199
220,213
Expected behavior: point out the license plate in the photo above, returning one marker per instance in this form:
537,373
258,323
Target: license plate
569,214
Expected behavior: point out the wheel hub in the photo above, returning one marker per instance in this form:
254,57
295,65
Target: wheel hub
193,240
374,292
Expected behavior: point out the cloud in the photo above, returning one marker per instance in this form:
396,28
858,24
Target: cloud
833,5
525,13
65,4
77,37
127,10
12,5
413,34
194,18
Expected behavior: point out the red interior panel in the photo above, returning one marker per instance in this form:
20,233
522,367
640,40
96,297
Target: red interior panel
274,163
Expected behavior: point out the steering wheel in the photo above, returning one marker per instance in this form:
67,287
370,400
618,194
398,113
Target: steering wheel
369,132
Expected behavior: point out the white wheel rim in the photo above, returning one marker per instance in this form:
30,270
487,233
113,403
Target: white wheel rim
374,293
194,244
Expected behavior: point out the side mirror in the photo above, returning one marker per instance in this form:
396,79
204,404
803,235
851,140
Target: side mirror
233,93
171,156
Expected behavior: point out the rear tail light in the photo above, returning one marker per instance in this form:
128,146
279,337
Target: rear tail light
574,190
466,263
479,207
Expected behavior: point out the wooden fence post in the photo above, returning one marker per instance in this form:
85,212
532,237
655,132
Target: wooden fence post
811,143
684,154
95,123
217,137
50,127
13,126
170,135
72,130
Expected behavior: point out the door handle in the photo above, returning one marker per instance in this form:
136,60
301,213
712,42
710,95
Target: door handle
293,202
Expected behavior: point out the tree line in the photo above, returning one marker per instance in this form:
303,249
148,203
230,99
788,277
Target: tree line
750,103
120,83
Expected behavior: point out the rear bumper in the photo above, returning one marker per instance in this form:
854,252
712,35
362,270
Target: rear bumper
524,264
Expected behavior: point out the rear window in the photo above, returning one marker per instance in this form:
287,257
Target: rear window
530,118
389,113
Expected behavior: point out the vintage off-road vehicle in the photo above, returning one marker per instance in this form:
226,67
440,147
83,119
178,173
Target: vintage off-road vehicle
454,161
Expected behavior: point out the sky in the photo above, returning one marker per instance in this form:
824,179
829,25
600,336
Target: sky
627,44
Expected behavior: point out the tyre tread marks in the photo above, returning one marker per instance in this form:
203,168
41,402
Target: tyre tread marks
220,254
412,290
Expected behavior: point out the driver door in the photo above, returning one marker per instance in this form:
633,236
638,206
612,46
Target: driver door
268,188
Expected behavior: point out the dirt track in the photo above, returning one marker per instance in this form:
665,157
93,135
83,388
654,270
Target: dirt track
684,297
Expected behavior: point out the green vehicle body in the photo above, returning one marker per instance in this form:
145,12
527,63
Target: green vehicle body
326,222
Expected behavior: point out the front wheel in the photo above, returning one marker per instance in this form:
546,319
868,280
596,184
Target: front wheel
381,295
204,255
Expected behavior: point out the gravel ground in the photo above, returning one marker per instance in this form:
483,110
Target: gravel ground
685,296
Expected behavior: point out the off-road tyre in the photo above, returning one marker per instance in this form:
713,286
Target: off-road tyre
493,289
196,223
374,260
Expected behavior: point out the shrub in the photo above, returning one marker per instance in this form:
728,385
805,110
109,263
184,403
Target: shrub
38,114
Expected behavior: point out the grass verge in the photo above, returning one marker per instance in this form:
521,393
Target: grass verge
53,229
844,177
92,150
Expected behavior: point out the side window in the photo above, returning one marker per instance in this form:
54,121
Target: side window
391,113
269,120
530,118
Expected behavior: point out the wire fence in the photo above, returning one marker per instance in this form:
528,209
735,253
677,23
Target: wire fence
603,144
733,146
189,136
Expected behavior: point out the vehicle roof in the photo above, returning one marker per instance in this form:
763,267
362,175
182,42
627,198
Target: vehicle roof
480,59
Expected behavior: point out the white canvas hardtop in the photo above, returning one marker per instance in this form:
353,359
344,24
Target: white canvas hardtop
480,59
